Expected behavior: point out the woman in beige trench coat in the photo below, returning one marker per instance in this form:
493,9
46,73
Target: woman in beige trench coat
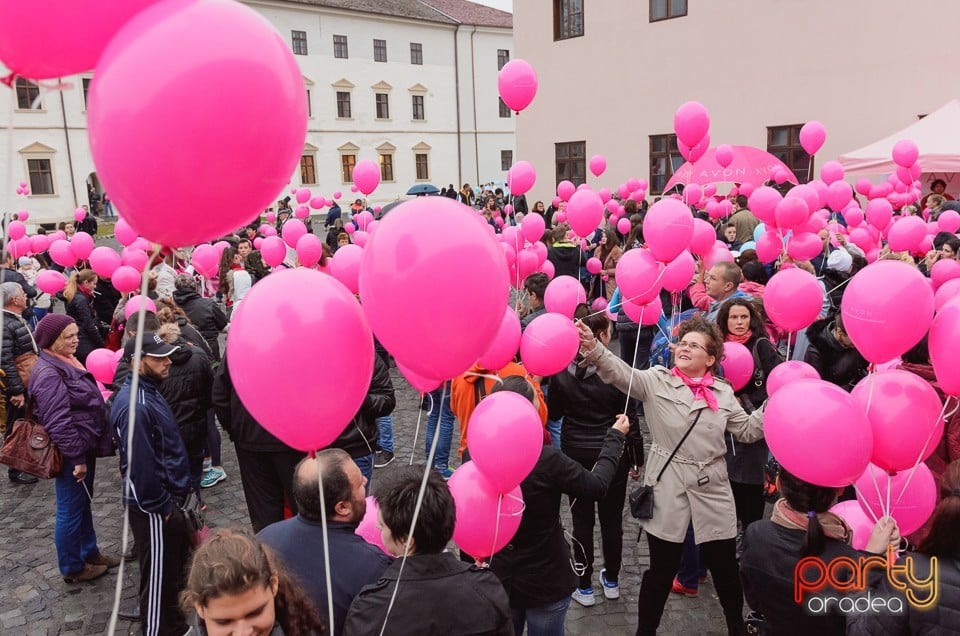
695,486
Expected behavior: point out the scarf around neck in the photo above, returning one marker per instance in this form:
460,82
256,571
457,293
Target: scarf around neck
701,390
744,339
833,526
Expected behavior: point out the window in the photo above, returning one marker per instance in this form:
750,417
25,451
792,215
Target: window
28,94
343,105
506,159
567,19
340,47
503,56
86,90
308,170
423,170
418,113
309,105
299,39
386,167
665,159
416,53
783,142
504,109
383,106
347,162
666,9
571,162
41,176
379,50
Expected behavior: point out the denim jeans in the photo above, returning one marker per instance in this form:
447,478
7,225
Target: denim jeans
385,426
365,464
690,570
541,621
440,411
553,426
73,532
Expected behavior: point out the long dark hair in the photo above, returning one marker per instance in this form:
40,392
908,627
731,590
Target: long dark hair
255,266
805,497
636,232
944,537
723,317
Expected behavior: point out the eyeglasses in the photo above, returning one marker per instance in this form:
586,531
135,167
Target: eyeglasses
684,344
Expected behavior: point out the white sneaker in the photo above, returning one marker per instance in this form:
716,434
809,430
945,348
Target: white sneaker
584,597
610,590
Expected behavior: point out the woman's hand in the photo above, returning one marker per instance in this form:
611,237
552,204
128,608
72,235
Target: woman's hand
587,340
885,533
80,471
622,424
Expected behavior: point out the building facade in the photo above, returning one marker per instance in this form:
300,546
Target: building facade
409,84
612,74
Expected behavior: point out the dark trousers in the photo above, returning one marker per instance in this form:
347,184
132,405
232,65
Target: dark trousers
749,501
608,510
213,440
13,413
267,480
163,550
720,557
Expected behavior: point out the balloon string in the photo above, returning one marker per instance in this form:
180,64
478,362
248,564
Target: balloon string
923,451
876,487
623,301
9,176
633,364
868,509
416,515
326,549
131,422
416,431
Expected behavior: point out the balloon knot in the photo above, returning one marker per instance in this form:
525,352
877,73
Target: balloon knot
8,80
313,454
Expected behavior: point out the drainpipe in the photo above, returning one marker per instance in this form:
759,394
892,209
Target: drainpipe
473,85
456,82
66,134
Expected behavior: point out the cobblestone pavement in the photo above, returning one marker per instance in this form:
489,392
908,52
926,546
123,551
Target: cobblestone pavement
34,600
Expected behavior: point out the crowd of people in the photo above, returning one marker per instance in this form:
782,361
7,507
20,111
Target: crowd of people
706,464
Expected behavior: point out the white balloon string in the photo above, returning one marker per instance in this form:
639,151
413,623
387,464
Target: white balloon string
131,422
923,451
625,300
633,364
876,488
868,509
326,548
496,535
416,431
416,515
8,184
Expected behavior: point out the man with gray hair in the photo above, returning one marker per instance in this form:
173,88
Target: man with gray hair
18,354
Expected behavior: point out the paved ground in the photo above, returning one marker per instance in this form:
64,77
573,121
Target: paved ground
34,600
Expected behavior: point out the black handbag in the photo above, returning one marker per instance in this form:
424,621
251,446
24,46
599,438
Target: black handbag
641,498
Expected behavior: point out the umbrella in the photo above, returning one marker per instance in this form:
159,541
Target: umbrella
390,206
423,188
750,165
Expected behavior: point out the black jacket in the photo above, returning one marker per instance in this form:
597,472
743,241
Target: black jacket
8,275
360,436
244,431
745,461
17,340
566,260
105,300
206,316
942,618
835,363
535,566
440,596
81,310
836,283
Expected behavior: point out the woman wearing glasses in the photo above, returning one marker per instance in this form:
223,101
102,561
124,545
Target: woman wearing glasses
694,485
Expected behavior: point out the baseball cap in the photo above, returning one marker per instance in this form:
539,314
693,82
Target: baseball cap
153,346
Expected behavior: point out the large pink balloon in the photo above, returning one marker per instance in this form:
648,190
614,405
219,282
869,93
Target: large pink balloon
369,526
533,226
948,221
790,213
125,279
486,520
787,372
104,260
125,234
40,39
549,344
804,246
246,63
39,243
306,302
521,177
133,306
812,136
505,438
273,250
763,203
646,314
737,364
691,123
102,364
62,254
437,244
292,230
703,238
517,84
668,228
584,212
366,176
417,381
912,500
793,299
638,275
724,155
598,165
137,259
345,266
16,230
904,411
906,234
905,153
309,250
801,415
942,341
861,525
81,244
678,273
51,281
878,213
505,344
831,171
944,270
887,308
945,293
563,294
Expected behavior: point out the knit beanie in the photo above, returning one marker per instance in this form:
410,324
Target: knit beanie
49,329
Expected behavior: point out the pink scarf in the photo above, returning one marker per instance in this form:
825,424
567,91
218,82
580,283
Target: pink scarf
744,339
701,390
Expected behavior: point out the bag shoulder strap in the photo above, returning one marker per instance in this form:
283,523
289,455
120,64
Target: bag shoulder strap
679,444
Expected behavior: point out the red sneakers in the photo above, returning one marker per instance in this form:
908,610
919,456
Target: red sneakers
678,588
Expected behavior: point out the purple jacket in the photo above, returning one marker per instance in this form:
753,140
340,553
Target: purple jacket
71,409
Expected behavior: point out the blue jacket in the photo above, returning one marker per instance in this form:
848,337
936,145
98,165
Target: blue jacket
158,468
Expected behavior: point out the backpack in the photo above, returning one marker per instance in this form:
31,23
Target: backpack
660,354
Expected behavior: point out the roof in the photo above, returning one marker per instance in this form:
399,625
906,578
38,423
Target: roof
442,11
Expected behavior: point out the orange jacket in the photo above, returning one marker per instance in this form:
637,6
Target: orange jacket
464,389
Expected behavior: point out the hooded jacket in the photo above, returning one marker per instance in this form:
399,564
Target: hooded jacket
835,363
360,436
206,316
566,259
81,310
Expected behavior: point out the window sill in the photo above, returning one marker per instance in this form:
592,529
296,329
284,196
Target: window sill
569,37
30,110
344,118
418,121
42,196
383,119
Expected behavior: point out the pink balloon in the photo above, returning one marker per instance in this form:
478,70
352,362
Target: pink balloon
137,259
337,194
563,294
793,299
804,246
839,194
946,292
812,136
905,153
301,212
905,414
243,63
948,221
878,213
769,247
486,520
125,234
724,155
366,176
599,304
16,230
737,364
505,344
309,250
350,228
517,84
790,213
417,381
763,203
831,171
637,275
220,246
887,308
133,306
906,234
262,378
318,203
79,214
692,194
862,186
369,527
565,190
81,245
424,244
912,500
624,226
703,238
102,364
533,226
125,279
39,243
19,247
147,246
521,177
719,254
549,344
505,437
797,442
856,518
691,123
584,212
273,250
944,334
51,282
302,195
548,268
345,266
292,230
668,228
205,260
271,217
62,254
257,242
787,372
598,165
646,314
104,260
679,272
943,270
594,265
